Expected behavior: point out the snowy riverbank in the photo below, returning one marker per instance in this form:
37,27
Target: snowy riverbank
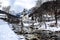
6,33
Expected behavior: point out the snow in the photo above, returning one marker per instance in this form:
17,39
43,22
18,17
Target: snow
6,33
27,24
51,28
36,23
21,37
43,26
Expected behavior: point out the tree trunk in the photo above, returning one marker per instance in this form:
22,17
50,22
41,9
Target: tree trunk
56,17
55,12
22,26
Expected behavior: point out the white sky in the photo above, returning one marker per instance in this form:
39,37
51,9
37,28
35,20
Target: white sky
5,3
25,3
18,5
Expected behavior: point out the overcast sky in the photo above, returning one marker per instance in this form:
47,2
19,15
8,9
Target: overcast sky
19,5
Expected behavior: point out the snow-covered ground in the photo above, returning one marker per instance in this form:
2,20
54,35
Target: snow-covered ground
6,33
47,26
51,28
